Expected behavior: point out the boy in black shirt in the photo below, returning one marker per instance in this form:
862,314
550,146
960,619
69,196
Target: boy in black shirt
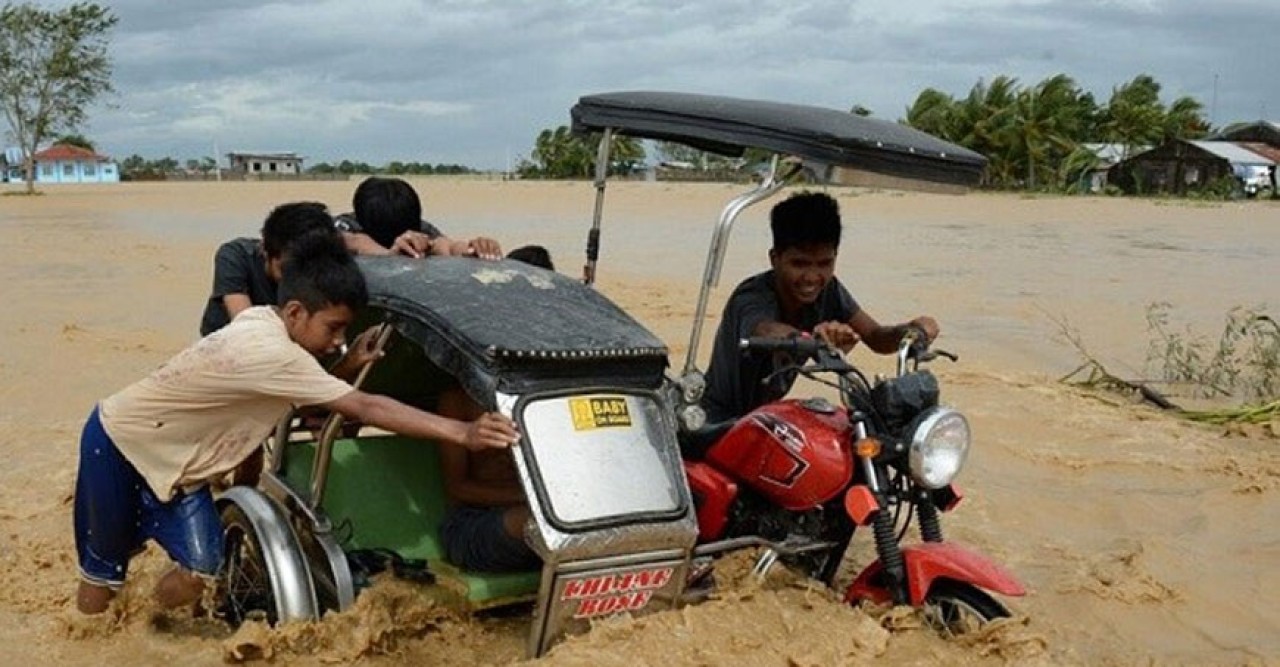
799,294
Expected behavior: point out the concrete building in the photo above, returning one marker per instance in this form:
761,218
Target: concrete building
265,164
64,163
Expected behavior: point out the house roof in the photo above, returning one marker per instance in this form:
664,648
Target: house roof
265,155
1265,150
1110,154
68,152
1248,129
1231,152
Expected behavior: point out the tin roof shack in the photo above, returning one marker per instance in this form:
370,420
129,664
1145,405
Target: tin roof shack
1271,153
265,165
1107,156
1180,166
1259,131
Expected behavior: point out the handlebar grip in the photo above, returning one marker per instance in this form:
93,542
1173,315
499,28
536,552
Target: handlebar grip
803,345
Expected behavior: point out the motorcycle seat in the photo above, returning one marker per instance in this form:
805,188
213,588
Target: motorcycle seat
694,444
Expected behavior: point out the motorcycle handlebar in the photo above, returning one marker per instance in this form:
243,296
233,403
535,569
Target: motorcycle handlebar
802,345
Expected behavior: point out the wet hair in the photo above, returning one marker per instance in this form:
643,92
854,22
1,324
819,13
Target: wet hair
319,272
805,218
291,221
386,208
535,255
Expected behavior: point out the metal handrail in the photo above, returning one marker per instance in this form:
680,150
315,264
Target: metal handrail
593,236
772,182
333,426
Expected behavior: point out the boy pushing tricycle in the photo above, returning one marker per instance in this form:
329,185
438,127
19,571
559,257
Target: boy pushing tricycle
149,452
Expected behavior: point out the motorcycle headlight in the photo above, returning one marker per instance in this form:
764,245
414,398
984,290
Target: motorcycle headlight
939,447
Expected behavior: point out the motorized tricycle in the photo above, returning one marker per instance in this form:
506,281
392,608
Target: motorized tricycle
621,522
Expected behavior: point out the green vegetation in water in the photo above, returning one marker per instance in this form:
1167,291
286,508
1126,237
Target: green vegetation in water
1244,362
1242,365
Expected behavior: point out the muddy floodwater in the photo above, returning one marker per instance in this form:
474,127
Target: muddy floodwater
1142,539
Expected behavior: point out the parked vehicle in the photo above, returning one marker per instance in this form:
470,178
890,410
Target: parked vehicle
614,520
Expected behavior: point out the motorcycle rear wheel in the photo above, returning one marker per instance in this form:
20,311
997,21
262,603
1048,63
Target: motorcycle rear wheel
953,608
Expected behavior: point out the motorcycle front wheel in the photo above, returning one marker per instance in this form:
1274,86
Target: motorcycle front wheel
953,608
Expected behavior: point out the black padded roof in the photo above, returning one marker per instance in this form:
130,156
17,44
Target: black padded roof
729,125
510,326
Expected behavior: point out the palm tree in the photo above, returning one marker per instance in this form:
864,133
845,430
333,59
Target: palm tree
933,112
1134,116
1185,120
1041,124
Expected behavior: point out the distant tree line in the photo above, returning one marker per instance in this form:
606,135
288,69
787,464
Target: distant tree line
395,168
135,167
559,153
1034,135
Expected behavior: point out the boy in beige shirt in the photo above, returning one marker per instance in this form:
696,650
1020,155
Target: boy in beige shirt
148,453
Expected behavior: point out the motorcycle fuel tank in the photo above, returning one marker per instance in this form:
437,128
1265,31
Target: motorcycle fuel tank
798,454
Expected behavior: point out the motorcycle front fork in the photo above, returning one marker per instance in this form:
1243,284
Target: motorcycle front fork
889,550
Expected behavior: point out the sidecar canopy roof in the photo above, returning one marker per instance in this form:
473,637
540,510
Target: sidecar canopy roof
508,326
728,126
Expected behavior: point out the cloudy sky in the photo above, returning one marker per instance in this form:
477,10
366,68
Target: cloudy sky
473,81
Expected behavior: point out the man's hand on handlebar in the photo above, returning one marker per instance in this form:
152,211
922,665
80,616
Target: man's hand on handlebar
926,325
837,334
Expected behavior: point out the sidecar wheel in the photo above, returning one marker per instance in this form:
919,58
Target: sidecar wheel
953,608
264,575
245,580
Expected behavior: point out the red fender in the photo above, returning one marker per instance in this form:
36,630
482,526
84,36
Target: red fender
935,560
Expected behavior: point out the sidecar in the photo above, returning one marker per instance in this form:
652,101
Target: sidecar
612,518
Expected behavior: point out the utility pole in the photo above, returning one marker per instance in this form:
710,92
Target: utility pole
1213,108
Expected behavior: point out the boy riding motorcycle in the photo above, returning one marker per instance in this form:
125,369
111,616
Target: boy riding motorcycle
799,294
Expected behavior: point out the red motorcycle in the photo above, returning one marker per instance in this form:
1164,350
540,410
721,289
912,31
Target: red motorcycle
800,476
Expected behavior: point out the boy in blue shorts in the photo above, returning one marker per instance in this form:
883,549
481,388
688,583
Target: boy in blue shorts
149,452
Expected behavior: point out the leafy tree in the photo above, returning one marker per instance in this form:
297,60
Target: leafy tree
1185,120
674,151
1041,125
560,153
934,112
53,65
1032,136
1134,116
75,140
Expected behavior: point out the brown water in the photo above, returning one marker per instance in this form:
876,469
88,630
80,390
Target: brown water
1141,538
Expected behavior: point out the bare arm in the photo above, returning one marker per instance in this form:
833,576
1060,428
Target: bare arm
234,303
362,244
884,339
773,329
361,352
489,431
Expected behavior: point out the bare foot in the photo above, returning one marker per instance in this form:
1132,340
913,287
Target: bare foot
92,598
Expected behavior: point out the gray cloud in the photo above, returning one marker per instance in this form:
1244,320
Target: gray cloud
474,81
